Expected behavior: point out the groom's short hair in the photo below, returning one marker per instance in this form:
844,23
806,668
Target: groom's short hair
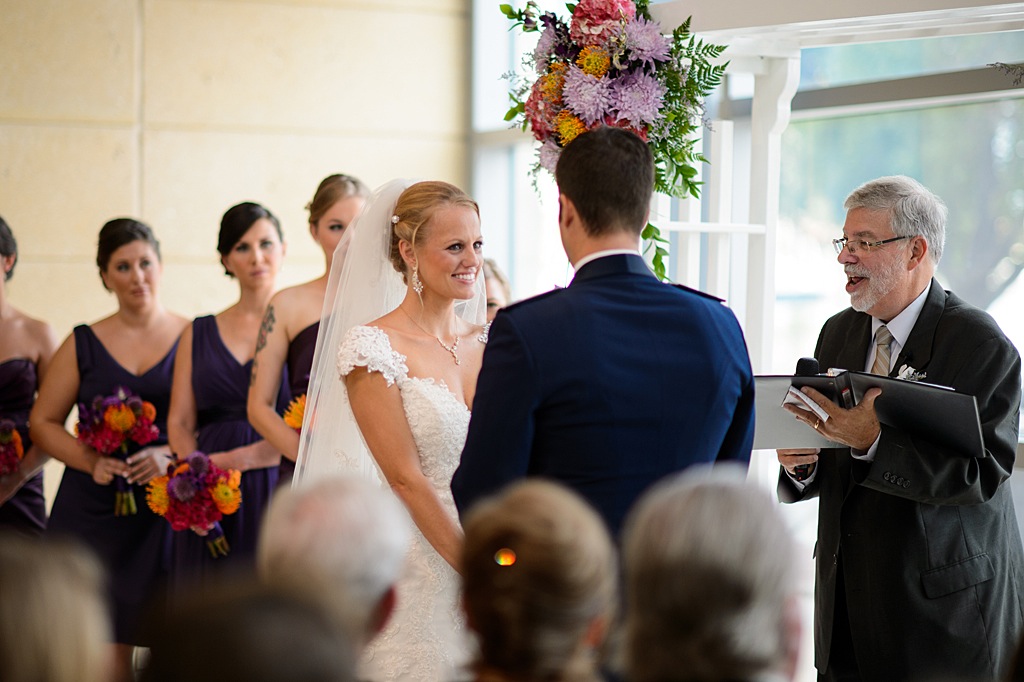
608,174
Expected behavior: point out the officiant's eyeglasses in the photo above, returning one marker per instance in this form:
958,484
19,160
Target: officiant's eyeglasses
855,245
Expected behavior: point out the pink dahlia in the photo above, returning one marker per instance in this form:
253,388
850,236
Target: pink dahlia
594,22
540,113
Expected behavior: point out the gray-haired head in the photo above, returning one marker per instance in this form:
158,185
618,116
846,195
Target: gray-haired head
709,582
342,534
913,209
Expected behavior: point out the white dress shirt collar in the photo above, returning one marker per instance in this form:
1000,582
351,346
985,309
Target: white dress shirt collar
899,326
601,254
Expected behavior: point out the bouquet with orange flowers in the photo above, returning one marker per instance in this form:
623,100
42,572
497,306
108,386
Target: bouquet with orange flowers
196,494
296,410
11,448
108,425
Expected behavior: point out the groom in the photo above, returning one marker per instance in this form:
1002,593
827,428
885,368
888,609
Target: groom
618,379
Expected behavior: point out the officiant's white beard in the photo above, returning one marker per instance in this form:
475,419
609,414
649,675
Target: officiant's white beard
881,281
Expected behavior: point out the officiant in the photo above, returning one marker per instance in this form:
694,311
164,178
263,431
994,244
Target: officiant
919,557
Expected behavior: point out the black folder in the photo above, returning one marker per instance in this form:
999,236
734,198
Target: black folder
935,413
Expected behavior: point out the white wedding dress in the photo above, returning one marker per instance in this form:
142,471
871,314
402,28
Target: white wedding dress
426,638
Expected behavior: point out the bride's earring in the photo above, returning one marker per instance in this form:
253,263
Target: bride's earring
417,285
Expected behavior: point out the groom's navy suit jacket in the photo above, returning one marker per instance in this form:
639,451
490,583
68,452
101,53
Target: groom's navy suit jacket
607,386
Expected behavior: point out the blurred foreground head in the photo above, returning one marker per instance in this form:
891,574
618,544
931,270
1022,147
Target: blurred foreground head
709,582
250,633
539,583
54,623
344,536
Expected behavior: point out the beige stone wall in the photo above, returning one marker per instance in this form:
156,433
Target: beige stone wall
173,110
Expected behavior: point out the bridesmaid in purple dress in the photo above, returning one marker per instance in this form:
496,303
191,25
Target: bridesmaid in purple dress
287,335
134,348
26,346
211,383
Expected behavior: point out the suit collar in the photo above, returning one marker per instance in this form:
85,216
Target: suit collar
918,350
612,265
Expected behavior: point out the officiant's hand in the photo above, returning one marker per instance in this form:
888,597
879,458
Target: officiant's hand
857,427
790,459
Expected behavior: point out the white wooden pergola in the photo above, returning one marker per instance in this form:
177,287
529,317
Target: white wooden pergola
764,41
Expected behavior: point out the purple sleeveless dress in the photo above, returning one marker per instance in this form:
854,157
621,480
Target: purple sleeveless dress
300,362
221,386
25,512
135,548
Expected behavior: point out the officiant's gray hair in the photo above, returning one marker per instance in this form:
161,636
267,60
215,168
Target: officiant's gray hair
344,535
913,209
708,565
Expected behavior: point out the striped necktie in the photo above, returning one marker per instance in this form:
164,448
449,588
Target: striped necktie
882,340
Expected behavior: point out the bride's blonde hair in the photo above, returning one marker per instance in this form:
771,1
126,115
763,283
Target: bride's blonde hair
416,205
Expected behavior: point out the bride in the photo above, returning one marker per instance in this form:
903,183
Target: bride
394,372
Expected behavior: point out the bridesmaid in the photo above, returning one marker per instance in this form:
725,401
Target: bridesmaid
287,335
134,348
211,382
26,347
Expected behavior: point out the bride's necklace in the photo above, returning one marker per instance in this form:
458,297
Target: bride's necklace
453,349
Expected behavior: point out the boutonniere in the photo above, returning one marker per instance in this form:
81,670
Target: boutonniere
908,373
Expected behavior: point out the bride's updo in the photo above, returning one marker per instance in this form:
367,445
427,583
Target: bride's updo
539,581
415,207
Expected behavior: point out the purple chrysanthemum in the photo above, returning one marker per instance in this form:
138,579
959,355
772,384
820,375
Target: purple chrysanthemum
645,42
586,96
548,155
198,463
544,46
637,97
182,488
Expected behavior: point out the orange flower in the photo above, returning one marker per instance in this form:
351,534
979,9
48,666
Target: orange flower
552,83
594,61
296,409
568,127
120,418
156,495
148,411
226,497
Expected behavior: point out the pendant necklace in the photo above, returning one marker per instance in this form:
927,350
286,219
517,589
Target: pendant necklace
453,349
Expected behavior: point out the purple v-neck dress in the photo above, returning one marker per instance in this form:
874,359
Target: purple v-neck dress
25,512
221,385
133,548
300,362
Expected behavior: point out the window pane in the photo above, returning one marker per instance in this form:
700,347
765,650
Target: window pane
847,64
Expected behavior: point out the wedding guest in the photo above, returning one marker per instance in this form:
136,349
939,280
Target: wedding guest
539,584
618,379
346,535
288,332
928,529
134,348
499,291
26,346
250,633
710,587
211,382
54,625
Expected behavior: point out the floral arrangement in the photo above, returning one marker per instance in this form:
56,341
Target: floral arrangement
196,494
11,448
296,410
612,65
108,425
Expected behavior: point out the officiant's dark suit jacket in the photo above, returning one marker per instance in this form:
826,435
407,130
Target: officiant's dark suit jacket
925,537
606,386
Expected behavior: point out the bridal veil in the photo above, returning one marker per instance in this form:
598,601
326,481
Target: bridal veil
362,286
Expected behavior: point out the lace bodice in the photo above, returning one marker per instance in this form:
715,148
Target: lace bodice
438,420
425,638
